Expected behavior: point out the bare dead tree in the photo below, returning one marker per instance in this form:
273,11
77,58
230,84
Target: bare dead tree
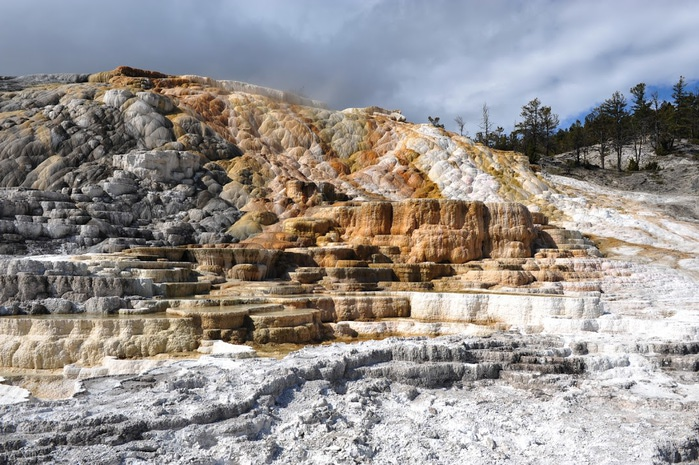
486,125
460,123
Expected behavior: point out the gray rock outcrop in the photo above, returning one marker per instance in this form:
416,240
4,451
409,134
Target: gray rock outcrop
80,165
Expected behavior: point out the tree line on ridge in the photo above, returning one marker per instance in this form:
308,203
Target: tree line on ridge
612,125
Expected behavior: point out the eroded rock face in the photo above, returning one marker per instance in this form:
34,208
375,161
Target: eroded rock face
160,166
53,343
510,231
135,158
441,231
95,149
416,245
238,261
142,158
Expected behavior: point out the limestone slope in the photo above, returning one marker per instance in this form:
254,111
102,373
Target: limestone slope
132,157
370,226
166,160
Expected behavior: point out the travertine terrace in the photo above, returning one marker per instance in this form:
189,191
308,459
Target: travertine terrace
428,261
146,218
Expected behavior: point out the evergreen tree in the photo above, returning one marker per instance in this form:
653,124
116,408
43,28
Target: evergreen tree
694,117
615,109
663,124
530,129
640,120
549,123
435,122
536,128
499,139
597,124
578,140
683,108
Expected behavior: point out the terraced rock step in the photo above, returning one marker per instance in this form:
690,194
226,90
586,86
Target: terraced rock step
182,289
432,375
257,289
54,341
261,322
296,326
327,281
415,272
223,317
166,275
285,318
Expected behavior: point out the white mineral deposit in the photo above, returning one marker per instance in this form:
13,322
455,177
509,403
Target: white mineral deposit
204,271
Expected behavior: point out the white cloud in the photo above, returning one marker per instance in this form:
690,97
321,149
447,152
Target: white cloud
429,58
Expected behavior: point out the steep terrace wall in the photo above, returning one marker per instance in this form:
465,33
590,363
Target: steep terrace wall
436,230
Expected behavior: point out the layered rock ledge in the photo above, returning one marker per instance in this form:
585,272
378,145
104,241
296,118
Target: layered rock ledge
478,267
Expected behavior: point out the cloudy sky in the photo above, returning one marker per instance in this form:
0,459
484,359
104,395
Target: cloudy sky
439,57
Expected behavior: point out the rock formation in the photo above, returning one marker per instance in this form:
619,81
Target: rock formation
440,231
146,216
137,157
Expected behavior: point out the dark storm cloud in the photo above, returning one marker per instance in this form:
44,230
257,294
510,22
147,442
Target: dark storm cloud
427,58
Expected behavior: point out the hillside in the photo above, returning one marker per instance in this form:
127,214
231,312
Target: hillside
115,146
159,234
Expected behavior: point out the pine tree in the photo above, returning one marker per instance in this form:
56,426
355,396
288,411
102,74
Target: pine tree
683,107
615,109
640,120
597,124
536,128
530,129
549,123
663,126
435,122
577,140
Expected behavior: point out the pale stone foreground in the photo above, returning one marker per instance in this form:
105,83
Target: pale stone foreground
539,350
